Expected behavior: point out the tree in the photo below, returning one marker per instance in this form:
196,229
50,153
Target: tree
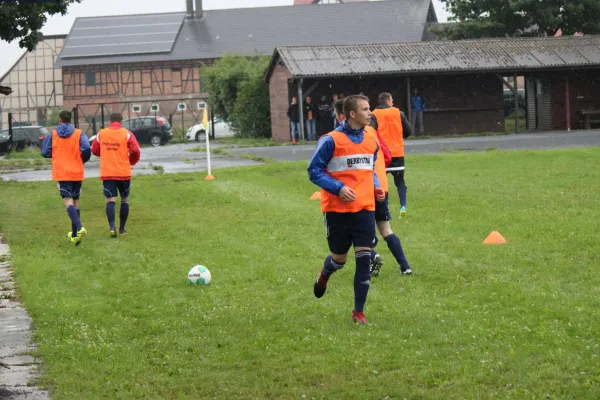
501,18
24,19
238,94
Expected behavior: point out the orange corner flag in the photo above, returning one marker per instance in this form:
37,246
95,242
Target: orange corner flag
494,238
209,177
316,196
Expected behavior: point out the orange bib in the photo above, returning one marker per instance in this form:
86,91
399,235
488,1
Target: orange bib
389,125
67,164
114,153
352,164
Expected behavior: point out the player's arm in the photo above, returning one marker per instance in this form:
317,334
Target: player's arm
134,149
379,192
318,166
84,148
406,129
375,177
96,146
374,124
47,147
387,154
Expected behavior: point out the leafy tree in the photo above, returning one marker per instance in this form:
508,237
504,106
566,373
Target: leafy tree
238,94
500,18
24,19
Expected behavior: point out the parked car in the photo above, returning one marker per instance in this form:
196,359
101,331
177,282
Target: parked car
23,136
198,133
153,130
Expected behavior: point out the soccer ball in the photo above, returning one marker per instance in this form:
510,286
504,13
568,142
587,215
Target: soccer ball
199,275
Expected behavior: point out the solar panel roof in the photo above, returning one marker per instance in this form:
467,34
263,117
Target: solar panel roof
123,35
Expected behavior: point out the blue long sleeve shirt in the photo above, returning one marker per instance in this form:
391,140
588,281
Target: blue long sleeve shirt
65,131
317,168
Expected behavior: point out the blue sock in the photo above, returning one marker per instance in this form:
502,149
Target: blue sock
362,280
123,214
402,194
395,247
75,222
110,214
73,226
330,267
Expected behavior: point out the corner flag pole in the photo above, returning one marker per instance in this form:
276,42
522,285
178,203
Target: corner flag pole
209,177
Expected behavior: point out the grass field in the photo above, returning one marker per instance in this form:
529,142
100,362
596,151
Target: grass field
116,319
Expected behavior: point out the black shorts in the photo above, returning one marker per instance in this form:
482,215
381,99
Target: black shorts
396,167
112,187
69,189
347,229
382,211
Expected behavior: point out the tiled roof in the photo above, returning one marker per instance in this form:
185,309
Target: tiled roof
259,30
443,56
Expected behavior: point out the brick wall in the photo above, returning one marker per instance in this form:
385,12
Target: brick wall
279,96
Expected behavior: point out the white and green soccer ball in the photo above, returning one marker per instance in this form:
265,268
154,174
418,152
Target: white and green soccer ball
199,275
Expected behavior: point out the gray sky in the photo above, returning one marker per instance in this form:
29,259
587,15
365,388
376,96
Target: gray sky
58,24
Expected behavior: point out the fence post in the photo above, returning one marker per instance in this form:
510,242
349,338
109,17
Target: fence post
75,117
9,144
102,116
212,124
93,126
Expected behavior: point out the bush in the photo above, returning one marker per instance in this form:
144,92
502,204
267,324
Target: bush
239,95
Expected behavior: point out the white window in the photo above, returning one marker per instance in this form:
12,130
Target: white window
181,107
201,105
136,108
154,108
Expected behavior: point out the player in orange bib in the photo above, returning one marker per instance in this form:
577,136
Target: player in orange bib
393,127
118,150
69,150
383,217
343,167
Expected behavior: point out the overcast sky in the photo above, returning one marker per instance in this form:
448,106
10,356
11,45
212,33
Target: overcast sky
58,24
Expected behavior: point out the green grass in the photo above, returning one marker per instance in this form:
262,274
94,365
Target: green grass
116,319
19,164
28,152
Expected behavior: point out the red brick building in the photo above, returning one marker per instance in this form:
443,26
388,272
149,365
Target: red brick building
461,81
151,63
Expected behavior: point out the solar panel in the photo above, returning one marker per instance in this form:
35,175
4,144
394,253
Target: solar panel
134,34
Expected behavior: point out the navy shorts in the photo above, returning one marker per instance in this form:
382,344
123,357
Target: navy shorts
396,167
69,189
112,188
382,211
347,229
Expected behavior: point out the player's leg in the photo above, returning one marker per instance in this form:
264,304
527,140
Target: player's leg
382,213
76,187
396,168
395,246
338,239
110,193
69,190
401,185
124,189
363,233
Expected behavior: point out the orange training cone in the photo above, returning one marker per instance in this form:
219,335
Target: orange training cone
494,238
316,196
209,177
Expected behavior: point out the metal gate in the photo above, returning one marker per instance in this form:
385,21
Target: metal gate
179,115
